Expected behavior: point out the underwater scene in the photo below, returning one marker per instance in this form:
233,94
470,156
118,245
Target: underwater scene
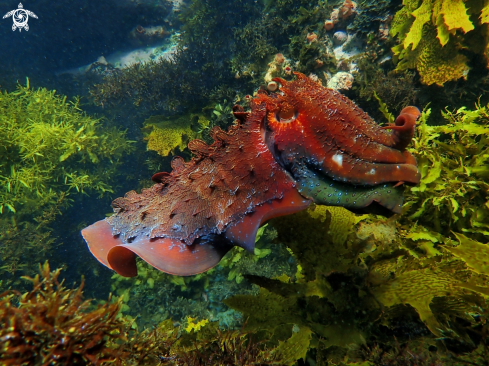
244,182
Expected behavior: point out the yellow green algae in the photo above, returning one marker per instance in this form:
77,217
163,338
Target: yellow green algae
453,160
433,33
172,135
50,151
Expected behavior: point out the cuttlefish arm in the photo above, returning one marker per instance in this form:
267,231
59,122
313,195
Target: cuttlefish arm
309,121
404,127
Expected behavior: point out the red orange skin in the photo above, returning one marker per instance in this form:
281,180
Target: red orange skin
346,143
193,215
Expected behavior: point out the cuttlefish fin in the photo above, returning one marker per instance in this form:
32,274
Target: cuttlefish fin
167,255
243,232
100,241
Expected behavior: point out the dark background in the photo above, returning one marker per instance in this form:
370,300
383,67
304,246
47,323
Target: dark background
68,34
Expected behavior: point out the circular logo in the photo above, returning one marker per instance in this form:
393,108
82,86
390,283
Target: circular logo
20,18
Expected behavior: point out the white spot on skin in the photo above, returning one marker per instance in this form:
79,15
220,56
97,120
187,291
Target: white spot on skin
338,159
371,172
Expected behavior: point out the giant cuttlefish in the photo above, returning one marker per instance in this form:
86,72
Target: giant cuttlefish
305,143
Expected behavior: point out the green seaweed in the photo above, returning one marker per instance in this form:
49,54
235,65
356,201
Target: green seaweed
453,163
171,135
51,151
432,34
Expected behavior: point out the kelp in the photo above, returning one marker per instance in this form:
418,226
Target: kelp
433,33
323,241
348,301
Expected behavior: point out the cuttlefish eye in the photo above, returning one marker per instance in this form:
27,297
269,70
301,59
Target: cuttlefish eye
286,116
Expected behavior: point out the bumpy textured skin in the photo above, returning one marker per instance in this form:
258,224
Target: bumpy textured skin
339,139
220,185
304,143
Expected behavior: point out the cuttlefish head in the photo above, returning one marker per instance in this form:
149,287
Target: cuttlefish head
336,151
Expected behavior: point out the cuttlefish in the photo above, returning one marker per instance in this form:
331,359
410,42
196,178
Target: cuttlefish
304,143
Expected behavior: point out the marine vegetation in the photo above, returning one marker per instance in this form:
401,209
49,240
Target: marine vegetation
281,28
219,57
197,69
50,151
422,277
190,218
171,135
438,38
397,89
358,286
202,343
53,324
154,296
372,15
453,161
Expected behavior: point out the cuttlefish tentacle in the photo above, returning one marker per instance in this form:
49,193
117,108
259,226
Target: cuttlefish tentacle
305,90
343,167
404,127
345,143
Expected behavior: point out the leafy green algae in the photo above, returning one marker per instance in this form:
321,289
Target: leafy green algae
50,150
172,135
453,160
432,34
